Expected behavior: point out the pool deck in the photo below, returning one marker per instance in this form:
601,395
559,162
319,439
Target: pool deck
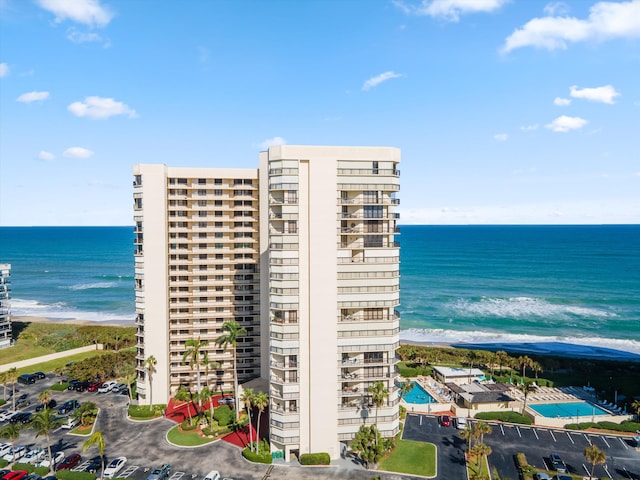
443,402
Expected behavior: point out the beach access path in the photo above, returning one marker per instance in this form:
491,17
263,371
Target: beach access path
49,357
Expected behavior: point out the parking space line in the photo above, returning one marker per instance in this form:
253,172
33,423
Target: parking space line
553,436
518,429
502,429
606,469
588,439
606,443
128,471
177,476
535,433
570,438
624,444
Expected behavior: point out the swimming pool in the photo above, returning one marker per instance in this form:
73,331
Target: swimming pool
567,410
418,395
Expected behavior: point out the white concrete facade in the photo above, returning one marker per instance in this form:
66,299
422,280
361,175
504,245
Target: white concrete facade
325,265
196,266
5,305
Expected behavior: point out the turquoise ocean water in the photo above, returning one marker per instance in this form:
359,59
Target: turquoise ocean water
478,284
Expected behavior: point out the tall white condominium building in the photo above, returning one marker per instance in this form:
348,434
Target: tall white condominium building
331,291
5,306
196,266
302,253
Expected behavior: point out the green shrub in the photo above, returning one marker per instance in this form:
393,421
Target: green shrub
526,469
511,417
187,425
143,411
315,459
224,415
263,457
42,471
3,463
217,431
69,475
403,412
23,466
2,401
626,426
59,387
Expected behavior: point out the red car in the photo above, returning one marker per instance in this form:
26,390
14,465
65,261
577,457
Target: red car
93,387
17,475
68,463
445,421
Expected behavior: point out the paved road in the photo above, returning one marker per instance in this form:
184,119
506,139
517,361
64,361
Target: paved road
145,446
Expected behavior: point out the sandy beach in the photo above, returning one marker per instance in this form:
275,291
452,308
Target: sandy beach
74,321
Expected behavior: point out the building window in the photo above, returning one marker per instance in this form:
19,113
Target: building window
373,211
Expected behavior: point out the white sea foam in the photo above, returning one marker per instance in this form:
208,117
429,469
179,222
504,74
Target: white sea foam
516,307
62,311
442,336
87,286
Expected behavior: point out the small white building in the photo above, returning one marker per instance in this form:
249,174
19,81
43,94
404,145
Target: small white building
459,376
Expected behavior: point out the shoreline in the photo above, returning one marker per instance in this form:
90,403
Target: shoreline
542,348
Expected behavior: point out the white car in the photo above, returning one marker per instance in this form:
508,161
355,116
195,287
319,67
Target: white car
107,386
212,475
6,415
4,448
114,467
34,456
15,454
461,423
57,458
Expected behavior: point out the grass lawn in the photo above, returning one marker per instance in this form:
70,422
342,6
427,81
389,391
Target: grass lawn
472,467
403,458
186,439
60,362
86,430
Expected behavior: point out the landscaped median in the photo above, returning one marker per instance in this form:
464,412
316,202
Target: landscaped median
402,459
180,438
143,412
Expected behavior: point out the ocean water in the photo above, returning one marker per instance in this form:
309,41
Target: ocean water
459,284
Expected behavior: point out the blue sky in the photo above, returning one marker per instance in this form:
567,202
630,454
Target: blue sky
518,111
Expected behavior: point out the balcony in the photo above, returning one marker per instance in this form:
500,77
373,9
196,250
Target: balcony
369,171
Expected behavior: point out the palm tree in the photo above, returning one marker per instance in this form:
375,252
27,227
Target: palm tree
260,401
44,397
379,394
635,406
594,456
526,389
481,450
502,358
468,435
150,365
183,394
405,387
234,331
247,399
97,439
45,422
524,362
59,371
481,429
10,432
193,356
12,378
207,395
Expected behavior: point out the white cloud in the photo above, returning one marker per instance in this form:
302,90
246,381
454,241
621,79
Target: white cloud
556,8
449,9
44,155
604,94
77,36
561,102
77,152
4,70
87,12
563,124
377,80
501,137
607,20
529,128
99,107
272,142
32,97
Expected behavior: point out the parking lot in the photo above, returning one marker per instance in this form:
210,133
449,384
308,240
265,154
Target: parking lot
623,460
145,446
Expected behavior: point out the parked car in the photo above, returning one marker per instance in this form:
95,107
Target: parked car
39,375
7,414
27,378
15,453
94,386
52,404
17,418
34,456
124,391
23,404
557,463
69,462
107,386
541,476
95,464
25,417
114,467
560,476
72,384
32,476
81,386
50,477
4,448
17,475
68,407
445,420
212,475
119,387
70,422
3,472
161,473
57,458
461,423
227,401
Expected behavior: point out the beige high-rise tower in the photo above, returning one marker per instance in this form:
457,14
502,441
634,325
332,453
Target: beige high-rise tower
301,252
